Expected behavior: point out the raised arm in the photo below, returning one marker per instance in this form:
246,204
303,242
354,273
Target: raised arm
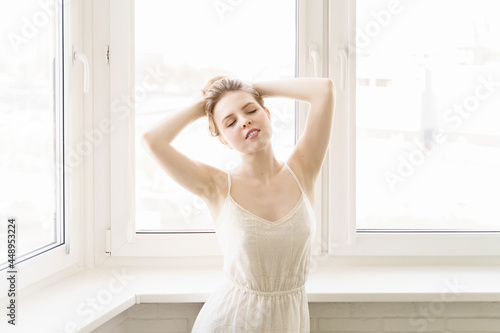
319,93
190,174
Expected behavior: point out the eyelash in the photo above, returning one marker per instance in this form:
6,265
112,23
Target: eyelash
234,122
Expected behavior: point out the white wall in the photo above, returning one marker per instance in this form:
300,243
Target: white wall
472,317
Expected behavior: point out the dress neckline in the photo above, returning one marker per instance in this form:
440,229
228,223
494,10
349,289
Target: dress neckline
279,221
261,219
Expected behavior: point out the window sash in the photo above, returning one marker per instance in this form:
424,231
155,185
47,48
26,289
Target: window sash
344,238
330,30
123,239
59,259
56,69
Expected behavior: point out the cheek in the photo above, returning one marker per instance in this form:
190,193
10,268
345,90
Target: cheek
225,132
221,128
265,117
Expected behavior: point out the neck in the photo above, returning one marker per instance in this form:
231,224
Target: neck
261,165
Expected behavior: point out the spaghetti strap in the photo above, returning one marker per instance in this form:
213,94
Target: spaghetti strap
228,184
295,177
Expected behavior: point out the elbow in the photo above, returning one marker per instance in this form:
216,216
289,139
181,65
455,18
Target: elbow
330,86
146,140
328,89
145,137
324,91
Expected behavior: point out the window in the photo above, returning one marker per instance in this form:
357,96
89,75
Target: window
178,47
158,71
427,145
396,91
31,132
415,150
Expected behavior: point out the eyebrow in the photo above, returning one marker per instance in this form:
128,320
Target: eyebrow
229,115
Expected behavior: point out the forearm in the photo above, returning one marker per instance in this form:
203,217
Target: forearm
168,128
301,89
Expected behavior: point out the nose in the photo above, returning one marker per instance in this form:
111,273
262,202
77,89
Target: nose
247,122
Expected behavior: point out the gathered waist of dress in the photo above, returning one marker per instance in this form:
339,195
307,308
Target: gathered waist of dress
266,293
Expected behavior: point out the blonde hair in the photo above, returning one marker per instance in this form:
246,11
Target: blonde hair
216,88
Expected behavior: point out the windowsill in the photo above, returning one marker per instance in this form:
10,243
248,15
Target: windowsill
90,297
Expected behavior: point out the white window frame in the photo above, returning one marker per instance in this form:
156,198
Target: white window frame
63,260
116,239
344,240
325,26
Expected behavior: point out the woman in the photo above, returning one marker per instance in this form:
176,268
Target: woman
262,210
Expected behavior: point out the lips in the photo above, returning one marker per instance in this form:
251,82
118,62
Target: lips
250,131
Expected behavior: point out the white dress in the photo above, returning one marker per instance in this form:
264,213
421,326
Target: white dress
266,265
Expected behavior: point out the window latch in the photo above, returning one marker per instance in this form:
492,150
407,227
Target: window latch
314,58
78,56
342,58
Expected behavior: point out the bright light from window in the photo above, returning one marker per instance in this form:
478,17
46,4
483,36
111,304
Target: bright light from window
427,99
186,43
30,114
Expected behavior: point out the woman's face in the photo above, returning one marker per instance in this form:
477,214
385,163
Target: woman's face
236,113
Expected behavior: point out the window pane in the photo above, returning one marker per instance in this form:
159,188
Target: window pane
30,112
179,46
427,101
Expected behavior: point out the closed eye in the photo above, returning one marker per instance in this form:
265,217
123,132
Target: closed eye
234,121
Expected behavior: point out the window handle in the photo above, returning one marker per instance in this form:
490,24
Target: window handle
342,58
314,58
78,56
